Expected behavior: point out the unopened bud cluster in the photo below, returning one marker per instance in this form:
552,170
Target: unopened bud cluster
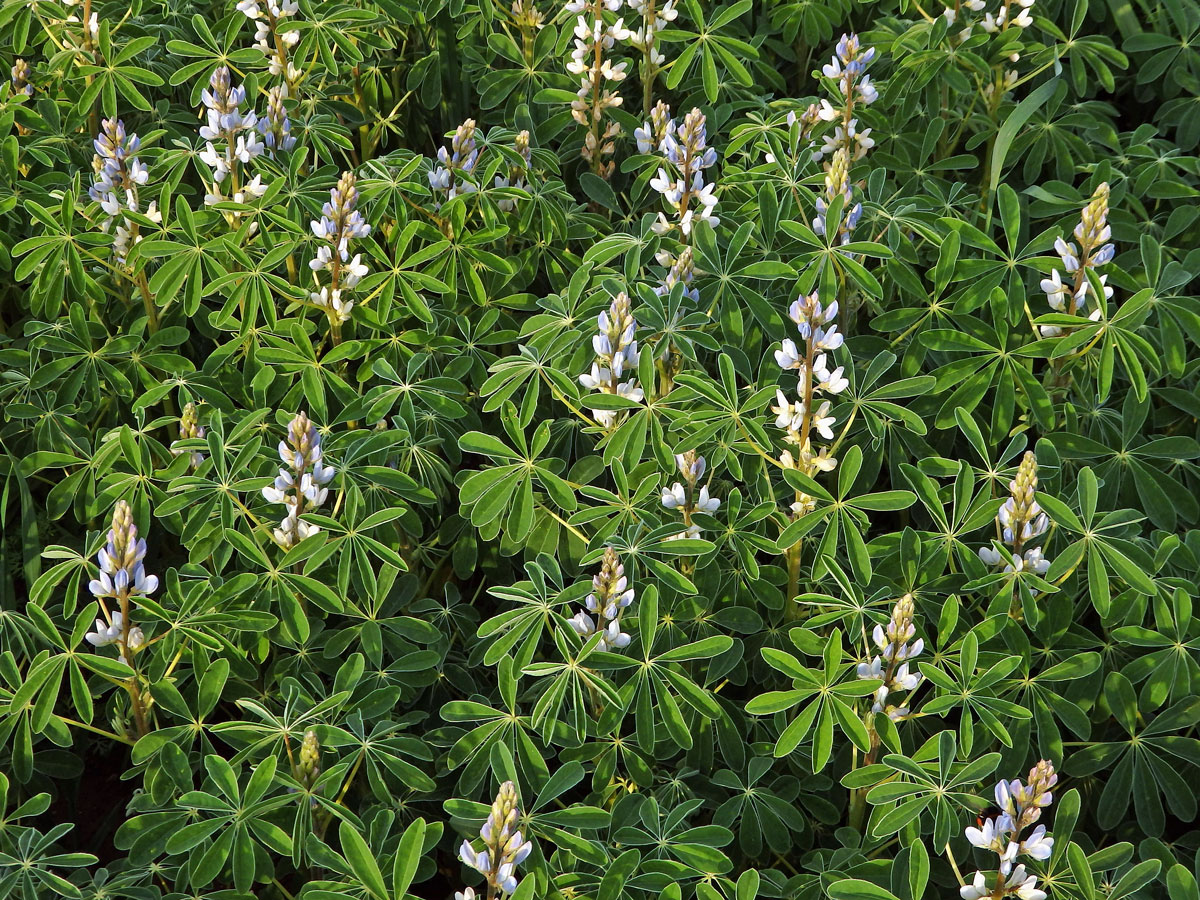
1021,520
504,847
891,664
611,595
300,485
189,428
689,496
1020,807
614,370
309,764
1094,250
22,78
516,174
340,223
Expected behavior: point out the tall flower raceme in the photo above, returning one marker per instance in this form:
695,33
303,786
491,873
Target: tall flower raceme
819,380
849,70
655,15
891,663
611,595
614,369
459,161
689,496
686,193
189,428
268,17
340,223
1021,521
275,127
232,140
504,847
1094,250
594,38
119,172
301,483
1020,806
516,174
122,578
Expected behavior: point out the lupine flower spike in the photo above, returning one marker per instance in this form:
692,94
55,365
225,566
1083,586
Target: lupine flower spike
340,223
456,163
267,16
122,578
593,39
1020,807
837,183
1020,521
504,847
686,193
891,664
614,369
799,419
684,495
189,427
118,175
611,595
231,139
854,86
300,485
275,127
1094,250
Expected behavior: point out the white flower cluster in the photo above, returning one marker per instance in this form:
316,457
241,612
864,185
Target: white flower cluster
799,419
300,485
617,358
231,137
122,578
1020,806
848,67
118,175
891,665
611,595
1001,19
1021,520
594,38
504,848
1093,233
455,163
274,43
689,197
340,223
684,496
189,428
88,36
654,19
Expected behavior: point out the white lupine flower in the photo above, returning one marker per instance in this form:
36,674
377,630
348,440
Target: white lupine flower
977,889
301,454
674,497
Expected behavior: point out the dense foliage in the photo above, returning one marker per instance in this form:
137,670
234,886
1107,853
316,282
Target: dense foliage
751,446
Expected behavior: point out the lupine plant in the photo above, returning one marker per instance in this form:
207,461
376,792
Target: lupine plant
599,450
